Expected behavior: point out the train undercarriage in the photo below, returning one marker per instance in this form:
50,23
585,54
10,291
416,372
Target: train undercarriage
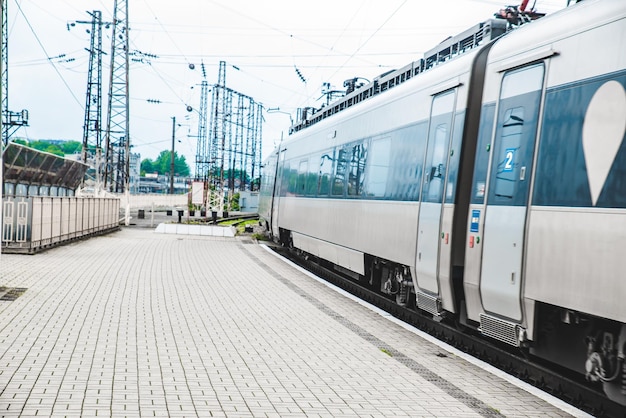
592,347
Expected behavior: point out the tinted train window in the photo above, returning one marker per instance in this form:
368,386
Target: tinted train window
339,180
481,162
438,142
510,139
455,154
407,155
562,173
311,177
285,177
303,171
356,173
377,168
325,173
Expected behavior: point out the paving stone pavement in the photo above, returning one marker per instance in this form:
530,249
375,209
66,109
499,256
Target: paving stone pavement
139,324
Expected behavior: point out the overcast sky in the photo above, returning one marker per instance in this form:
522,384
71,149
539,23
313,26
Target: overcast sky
262,42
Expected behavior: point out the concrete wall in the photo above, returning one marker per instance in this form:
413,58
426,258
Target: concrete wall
160,201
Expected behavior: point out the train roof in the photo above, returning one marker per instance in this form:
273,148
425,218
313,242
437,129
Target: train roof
567,22
454,46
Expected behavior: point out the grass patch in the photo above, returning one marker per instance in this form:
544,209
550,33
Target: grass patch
260,237
384,350
241,225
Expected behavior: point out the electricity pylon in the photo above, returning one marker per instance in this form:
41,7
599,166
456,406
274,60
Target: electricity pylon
117,168
11,121
92,127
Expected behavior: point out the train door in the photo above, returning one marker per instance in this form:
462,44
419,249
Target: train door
431,206
508,191
279,188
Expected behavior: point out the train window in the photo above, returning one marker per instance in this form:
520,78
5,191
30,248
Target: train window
280,180
311,178
482,153
510,138
405,162
325,172
455,154
284,178
303,171
562,177
438,143
340,172
357,169
377,168
433,178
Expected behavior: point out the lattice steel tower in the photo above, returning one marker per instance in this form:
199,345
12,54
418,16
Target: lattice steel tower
217,134
117,168
11,121
234,141
92,128
202,152
4,82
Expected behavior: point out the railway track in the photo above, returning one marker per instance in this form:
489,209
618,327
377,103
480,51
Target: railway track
513,361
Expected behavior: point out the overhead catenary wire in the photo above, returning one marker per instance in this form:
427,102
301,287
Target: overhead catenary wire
372,35
43,48
223,33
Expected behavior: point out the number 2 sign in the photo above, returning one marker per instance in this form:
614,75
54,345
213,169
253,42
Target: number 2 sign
509,159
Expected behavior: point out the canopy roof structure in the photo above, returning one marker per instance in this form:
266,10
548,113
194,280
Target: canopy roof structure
24,165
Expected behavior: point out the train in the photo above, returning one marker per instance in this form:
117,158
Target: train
483,184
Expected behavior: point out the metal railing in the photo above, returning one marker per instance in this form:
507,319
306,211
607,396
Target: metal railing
31,224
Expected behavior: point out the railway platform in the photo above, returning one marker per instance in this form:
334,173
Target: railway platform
141,324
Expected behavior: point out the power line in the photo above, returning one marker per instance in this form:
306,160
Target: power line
372,35
48,56
278,30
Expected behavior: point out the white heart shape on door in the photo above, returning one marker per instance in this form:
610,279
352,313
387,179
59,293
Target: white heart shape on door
603,132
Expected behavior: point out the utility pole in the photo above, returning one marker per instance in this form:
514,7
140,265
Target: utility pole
11,121
217,137
2,64
235,130
172,159
4,81
202,153
117,170
92,128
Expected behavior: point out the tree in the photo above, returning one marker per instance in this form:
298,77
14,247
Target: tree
163,163
71,147
147,166
61,149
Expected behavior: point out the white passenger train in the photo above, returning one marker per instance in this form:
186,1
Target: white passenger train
489,189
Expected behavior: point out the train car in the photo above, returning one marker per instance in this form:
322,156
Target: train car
348,188
488,190
547,230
